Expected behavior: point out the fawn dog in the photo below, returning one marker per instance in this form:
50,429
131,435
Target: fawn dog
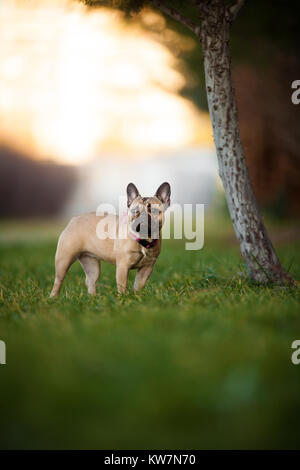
138,249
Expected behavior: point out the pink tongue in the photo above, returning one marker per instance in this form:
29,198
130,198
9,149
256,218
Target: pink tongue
136,238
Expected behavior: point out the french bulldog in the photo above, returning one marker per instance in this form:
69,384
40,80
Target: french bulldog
136,243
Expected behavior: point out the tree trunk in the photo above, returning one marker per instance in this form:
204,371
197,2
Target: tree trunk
256,247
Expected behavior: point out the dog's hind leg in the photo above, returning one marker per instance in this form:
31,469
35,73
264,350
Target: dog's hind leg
91,267
62,266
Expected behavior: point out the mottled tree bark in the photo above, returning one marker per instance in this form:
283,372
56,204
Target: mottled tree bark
256,247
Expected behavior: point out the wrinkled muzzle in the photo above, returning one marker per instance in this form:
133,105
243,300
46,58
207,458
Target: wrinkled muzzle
146,226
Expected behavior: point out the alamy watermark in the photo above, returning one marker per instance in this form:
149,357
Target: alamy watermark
2,352
178,222
296,94
295,358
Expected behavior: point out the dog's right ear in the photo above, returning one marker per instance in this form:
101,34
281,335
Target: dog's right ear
132,193
164,193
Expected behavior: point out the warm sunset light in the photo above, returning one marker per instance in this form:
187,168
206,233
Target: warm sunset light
77,81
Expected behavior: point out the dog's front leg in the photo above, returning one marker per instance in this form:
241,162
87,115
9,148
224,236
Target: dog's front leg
141,277
122,276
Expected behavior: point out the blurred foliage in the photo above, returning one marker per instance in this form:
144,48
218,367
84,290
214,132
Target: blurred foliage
128,6
263,29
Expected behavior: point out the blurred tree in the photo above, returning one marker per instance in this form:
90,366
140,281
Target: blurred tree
210,22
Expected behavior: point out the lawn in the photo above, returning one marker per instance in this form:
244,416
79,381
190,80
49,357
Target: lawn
200,359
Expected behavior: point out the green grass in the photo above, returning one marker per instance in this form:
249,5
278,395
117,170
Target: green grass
200,359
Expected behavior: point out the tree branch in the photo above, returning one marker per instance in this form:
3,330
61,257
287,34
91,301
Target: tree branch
195,28
234,9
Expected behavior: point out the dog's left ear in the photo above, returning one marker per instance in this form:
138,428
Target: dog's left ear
164,193
132,193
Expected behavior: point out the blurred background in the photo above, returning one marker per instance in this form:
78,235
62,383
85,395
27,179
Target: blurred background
91,100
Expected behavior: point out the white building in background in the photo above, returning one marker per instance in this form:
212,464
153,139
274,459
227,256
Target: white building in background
192,174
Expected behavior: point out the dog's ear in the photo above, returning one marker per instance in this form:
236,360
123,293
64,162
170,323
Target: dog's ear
164,193
132,193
